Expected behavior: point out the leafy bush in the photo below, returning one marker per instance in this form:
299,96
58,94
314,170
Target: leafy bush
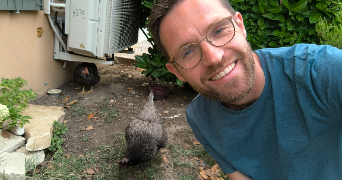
329,34
154,62
16,100
154,65
274,23
57,140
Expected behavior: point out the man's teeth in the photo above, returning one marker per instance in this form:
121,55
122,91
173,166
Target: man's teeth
224,72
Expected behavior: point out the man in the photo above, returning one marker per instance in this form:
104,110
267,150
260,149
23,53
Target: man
269,114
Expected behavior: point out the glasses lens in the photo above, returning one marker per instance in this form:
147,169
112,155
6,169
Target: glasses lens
188,56
221,33
218,35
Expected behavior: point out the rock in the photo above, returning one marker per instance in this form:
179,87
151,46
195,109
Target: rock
11,144
132,92
39,131
12,165
32,158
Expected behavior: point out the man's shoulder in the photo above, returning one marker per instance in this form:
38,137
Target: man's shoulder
302,51
199,104
196,101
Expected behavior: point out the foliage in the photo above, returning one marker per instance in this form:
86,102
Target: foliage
146,6
273,23
57,140
154,65
16,100
155,61
329,34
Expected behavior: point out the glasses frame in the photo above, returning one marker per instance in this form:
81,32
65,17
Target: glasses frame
206,37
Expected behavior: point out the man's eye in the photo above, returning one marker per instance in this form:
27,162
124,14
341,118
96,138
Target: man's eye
187,52
218,31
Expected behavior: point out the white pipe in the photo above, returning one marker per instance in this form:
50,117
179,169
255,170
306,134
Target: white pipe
46,6
57,5
57,34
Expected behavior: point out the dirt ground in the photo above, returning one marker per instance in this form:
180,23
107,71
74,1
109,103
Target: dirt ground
122,89
119,96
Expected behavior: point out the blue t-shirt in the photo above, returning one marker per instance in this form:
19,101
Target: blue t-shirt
293,130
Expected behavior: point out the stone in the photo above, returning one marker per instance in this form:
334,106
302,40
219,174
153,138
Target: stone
39,131
12,165
32,158
132,92
11,144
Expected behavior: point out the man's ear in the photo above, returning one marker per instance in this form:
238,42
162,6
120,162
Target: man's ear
171,67
239,21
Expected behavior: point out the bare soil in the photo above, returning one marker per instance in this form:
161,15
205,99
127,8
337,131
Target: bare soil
118,97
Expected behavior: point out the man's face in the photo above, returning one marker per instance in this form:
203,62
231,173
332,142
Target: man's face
225,73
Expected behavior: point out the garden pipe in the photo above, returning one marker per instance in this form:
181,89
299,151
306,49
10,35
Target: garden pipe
146,36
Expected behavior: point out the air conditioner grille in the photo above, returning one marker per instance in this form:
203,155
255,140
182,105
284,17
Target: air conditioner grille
124,25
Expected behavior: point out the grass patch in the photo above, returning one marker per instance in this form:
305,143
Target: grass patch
77,110
184,158
190,150
103,161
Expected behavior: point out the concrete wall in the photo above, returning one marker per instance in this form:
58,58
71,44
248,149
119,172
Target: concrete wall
23,54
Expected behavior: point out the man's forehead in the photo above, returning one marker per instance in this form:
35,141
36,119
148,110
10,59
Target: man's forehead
189,20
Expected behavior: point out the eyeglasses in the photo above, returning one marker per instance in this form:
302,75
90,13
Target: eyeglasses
219,34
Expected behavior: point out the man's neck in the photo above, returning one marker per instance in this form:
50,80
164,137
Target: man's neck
239,107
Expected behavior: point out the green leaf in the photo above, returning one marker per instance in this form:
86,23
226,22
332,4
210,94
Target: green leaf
147,71
322,6
307,13
278,33
315,17
291,27
286,4
274,2
268,15
179,82
278,17
256,9
252,1
146,58
262,7
273,44
255,16
261,22
275,9
156,73
300,17
311,31
299,6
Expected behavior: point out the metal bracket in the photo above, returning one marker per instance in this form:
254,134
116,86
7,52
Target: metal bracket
40,5
15,6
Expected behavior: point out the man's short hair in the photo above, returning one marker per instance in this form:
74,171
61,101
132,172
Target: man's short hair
160,9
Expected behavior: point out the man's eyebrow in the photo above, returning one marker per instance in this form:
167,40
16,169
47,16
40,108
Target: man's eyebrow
188,43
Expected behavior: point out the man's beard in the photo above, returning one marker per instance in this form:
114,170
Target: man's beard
235,89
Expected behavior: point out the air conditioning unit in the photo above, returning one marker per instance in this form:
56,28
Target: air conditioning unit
97,28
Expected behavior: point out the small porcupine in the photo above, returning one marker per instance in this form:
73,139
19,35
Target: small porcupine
144,136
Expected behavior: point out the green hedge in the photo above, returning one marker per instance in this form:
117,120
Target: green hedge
274,23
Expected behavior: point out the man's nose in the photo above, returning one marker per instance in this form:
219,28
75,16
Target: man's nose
211,55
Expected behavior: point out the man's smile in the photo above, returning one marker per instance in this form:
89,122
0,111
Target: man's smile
224,72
